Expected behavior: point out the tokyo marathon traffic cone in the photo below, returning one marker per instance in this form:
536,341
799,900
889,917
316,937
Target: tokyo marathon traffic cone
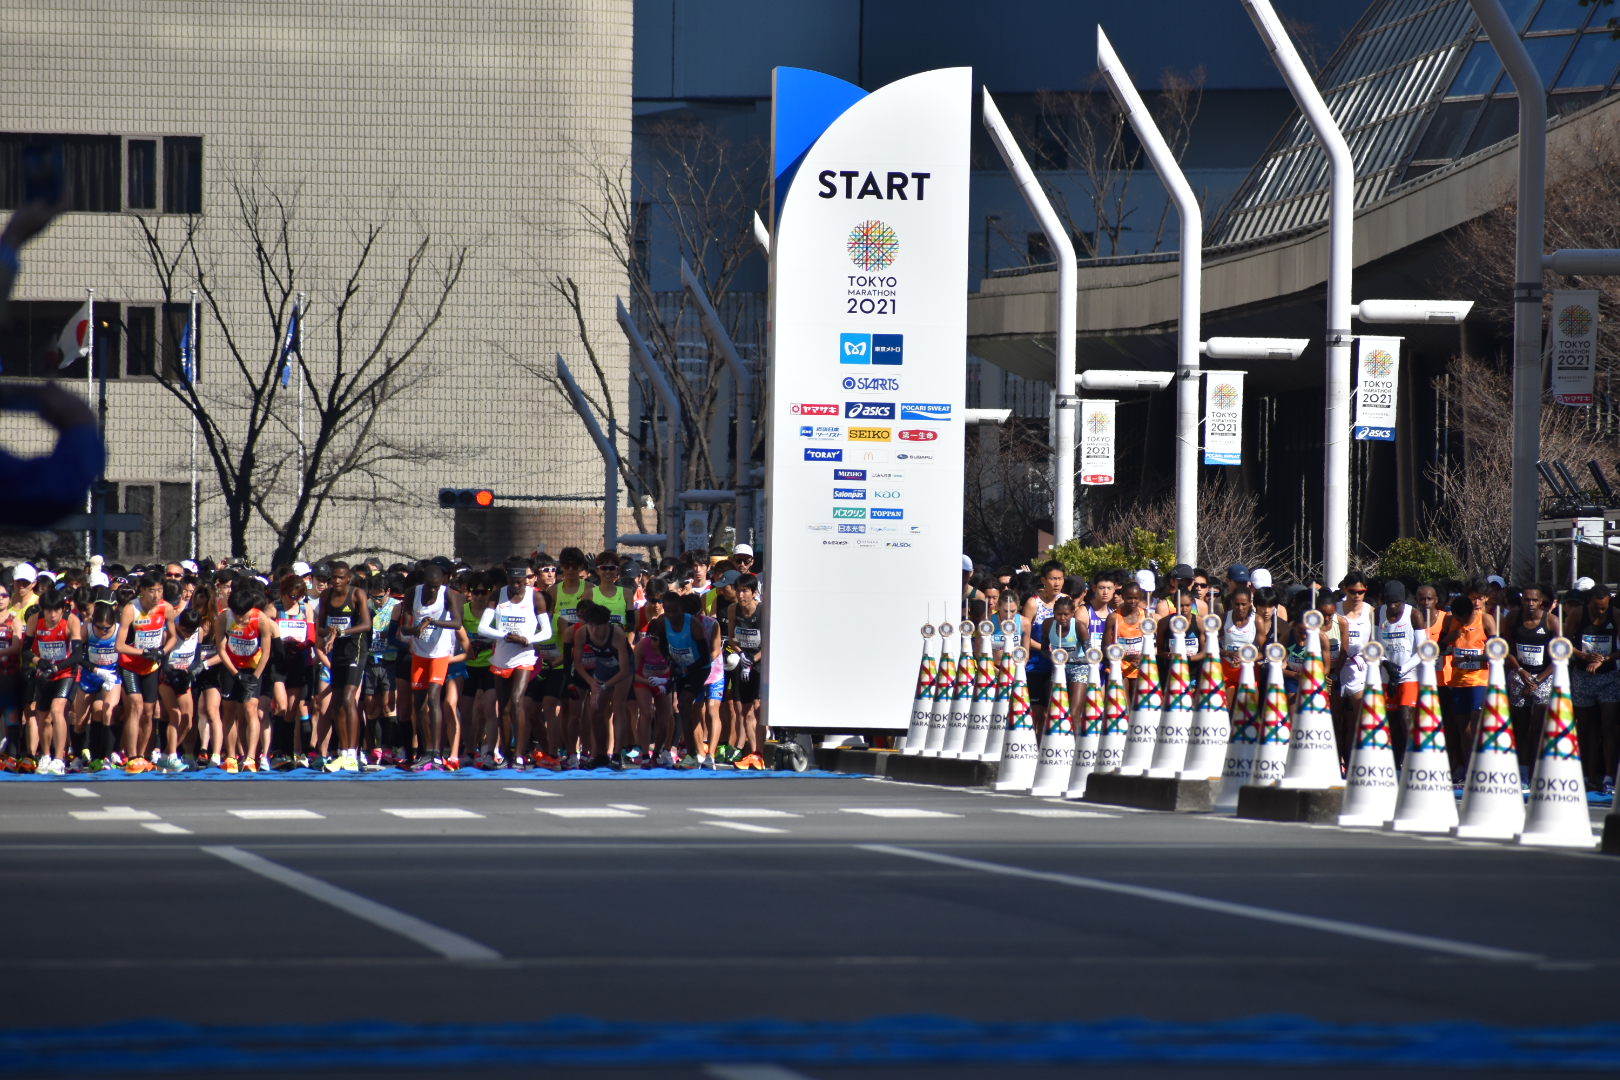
1313,750
922,705
996,738
984,686
1057,739
1089,728
1212,723
1170,750
944,685
1146,711
1493,801
1372,786
1557,815
961,694
1116,722
1426,802
1245,731
1271,751
1019,750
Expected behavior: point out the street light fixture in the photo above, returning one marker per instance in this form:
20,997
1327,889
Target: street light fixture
1124,380
1253,348
1441,312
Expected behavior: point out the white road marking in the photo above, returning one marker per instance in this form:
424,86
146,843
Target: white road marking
114,813
536,792
80,793
277,815
165,828
446,943
899,812
1054,813
586,812
431,813
742,812
752,1072
626,806
1223,907
743,826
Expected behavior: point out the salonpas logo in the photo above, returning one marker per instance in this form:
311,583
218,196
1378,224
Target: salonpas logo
849,512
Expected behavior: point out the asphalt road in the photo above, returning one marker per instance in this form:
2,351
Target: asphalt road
783,927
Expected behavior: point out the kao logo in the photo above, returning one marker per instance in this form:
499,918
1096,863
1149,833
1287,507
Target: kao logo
870,434
1575,320
1379,364
886,494
873,245
1225,395
801,409
919,435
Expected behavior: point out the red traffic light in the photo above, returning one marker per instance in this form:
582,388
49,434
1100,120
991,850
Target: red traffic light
466,498
484,497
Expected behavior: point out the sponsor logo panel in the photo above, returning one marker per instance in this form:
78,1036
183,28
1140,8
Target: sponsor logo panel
849,474
870,434
925,410
869,410
887,513
799,408
812,453
918,435
849,493
855,512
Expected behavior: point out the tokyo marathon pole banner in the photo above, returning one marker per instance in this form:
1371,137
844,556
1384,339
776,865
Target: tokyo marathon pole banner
1574,345
1378,373
868,373
1096,442
1223,418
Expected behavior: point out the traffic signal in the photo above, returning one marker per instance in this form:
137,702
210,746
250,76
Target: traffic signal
466,498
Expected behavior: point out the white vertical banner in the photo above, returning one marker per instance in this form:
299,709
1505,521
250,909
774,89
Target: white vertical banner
1096,442
1574,345
864,474
1378,373
1223,418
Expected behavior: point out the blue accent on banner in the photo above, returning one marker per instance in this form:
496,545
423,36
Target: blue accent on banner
167,1047
805,105
1375,434
1222,459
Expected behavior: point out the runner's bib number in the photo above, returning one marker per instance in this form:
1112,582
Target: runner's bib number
1531,656
1467,659
148,639
53,650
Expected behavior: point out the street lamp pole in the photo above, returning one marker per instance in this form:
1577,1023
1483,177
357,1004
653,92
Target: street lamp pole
1341,225
1192,268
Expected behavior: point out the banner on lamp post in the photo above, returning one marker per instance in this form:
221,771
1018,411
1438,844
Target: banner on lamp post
1096,442
1574,345
1223,418
1378,373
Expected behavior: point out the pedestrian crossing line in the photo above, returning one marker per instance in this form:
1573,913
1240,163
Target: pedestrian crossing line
744,826
80,793
626,806
1053,813
431,813
536,792
277,815
573,812
114,813
742,812
165,828
896,812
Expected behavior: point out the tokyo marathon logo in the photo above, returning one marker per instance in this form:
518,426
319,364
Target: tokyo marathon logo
1575,320
873,245
1097,423
1225,396
1379,364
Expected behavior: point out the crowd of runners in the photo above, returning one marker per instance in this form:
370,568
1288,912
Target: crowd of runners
1051,609
559,663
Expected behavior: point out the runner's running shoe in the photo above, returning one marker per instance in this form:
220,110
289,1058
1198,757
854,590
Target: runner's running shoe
752,761
137,765
230,765
249,764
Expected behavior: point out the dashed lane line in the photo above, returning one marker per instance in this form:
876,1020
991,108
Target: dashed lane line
731,812
627,806
431,813
165,828
80,793
114,813
744,826
289,814
1040,812
536,792
573,812
897,812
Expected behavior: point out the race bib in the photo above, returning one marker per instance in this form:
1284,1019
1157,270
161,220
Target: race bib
683,657
53,650
339,622
241,645
748,638
1599,644
148,639
293,628
1532,656
103,655
1467,659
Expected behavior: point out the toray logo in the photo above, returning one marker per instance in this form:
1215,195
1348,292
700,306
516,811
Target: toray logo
800,409
849,474
918,435
880,513
924,410
812,454
849,493
887,349
869,410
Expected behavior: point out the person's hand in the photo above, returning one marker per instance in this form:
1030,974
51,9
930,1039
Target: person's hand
63,409
30,219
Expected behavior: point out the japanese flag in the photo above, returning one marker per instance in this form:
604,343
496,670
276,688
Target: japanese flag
74,340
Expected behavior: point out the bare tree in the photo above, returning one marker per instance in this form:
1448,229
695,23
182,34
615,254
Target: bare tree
1231,527
371,337
1007,491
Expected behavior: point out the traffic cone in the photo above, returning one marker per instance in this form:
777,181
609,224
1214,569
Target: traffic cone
1493,801
984,685
1212,723
1245,739
1019,751
1089,736
961,694
1057,740
1373,784
922,705
1276,730
1426,802
1170,749
944,684
1557,815
1313,750
996,737
1146,711
1116,720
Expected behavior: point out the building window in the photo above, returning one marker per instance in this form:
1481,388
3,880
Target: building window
39,335
139,499
140,340
107,174
182,174
175,317
140,172
165,509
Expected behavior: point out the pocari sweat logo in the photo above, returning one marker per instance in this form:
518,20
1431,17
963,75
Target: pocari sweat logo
871,349
924,410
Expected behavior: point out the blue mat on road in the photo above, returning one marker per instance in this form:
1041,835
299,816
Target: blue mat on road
469,774
168,1047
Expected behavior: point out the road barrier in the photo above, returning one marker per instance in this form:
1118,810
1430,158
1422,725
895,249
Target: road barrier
1557,816
1372,786
1426,802
1493,801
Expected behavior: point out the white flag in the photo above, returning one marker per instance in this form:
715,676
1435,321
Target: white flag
1096,442
74,340
1223,418
1574,345
1378,373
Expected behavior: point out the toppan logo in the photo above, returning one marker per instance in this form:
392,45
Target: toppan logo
800,409
918,435
888,386
924,410
882,349
869,410
850,493
872,434
880,513
813,454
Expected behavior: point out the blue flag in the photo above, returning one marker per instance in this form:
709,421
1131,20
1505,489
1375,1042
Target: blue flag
290,347
188,352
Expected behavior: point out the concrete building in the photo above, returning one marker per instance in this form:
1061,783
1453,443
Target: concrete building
480,127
